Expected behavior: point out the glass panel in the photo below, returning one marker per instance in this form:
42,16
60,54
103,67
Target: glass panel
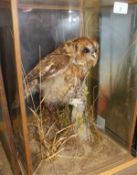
4,14
50,31
9,75
50,28
117,71
41,32
4,137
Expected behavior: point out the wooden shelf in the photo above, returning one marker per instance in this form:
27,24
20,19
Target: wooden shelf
50,5
45,6
64,7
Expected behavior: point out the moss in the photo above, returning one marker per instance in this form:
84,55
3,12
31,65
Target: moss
63,116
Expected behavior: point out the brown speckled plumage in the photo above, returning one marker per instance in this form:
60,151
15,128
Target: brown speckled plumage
60,74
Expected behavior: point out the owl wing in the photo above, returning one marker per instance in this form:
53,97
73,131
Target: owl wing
50,66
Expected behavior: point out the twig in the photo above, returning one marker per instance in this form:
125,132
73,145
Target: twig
54,141
34,173
53,155
72,136
35,114
50,128
40,76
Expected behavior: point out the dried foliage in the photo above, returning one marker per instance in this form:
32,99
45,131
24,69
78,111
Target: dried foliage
49,136
51,129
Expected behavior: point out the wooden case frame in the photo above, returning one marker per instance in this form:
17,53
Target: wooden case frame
13,4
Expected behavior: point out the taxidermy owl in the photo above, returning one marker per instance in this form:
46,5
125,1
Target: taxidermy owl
59,75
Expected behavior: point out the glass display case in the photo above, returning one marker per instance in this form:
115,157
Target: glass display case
69,76
117,71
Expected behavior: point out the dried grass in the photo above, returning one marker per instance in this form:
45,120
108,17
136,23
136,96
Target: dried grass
53,133
51,139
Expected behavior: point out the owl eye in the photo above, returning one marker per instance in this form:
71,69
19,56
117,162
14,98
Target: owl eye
86,50
95,50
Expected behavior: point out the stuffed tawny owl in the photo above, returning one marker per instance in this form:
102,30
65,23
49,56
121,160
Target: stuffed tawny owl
59,75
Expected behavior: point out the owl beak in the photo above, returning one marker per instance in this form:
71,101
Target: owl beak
94,58
94,55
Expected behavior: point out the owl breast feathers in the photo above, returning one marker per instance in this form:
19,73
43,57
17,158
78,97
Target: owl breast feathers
59,75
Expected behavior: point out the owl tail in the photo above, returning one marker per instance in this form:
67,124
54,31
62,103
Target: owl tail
29,89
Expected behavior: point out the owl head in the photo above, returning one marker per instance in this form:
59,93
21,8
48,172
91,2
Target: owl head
84,51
